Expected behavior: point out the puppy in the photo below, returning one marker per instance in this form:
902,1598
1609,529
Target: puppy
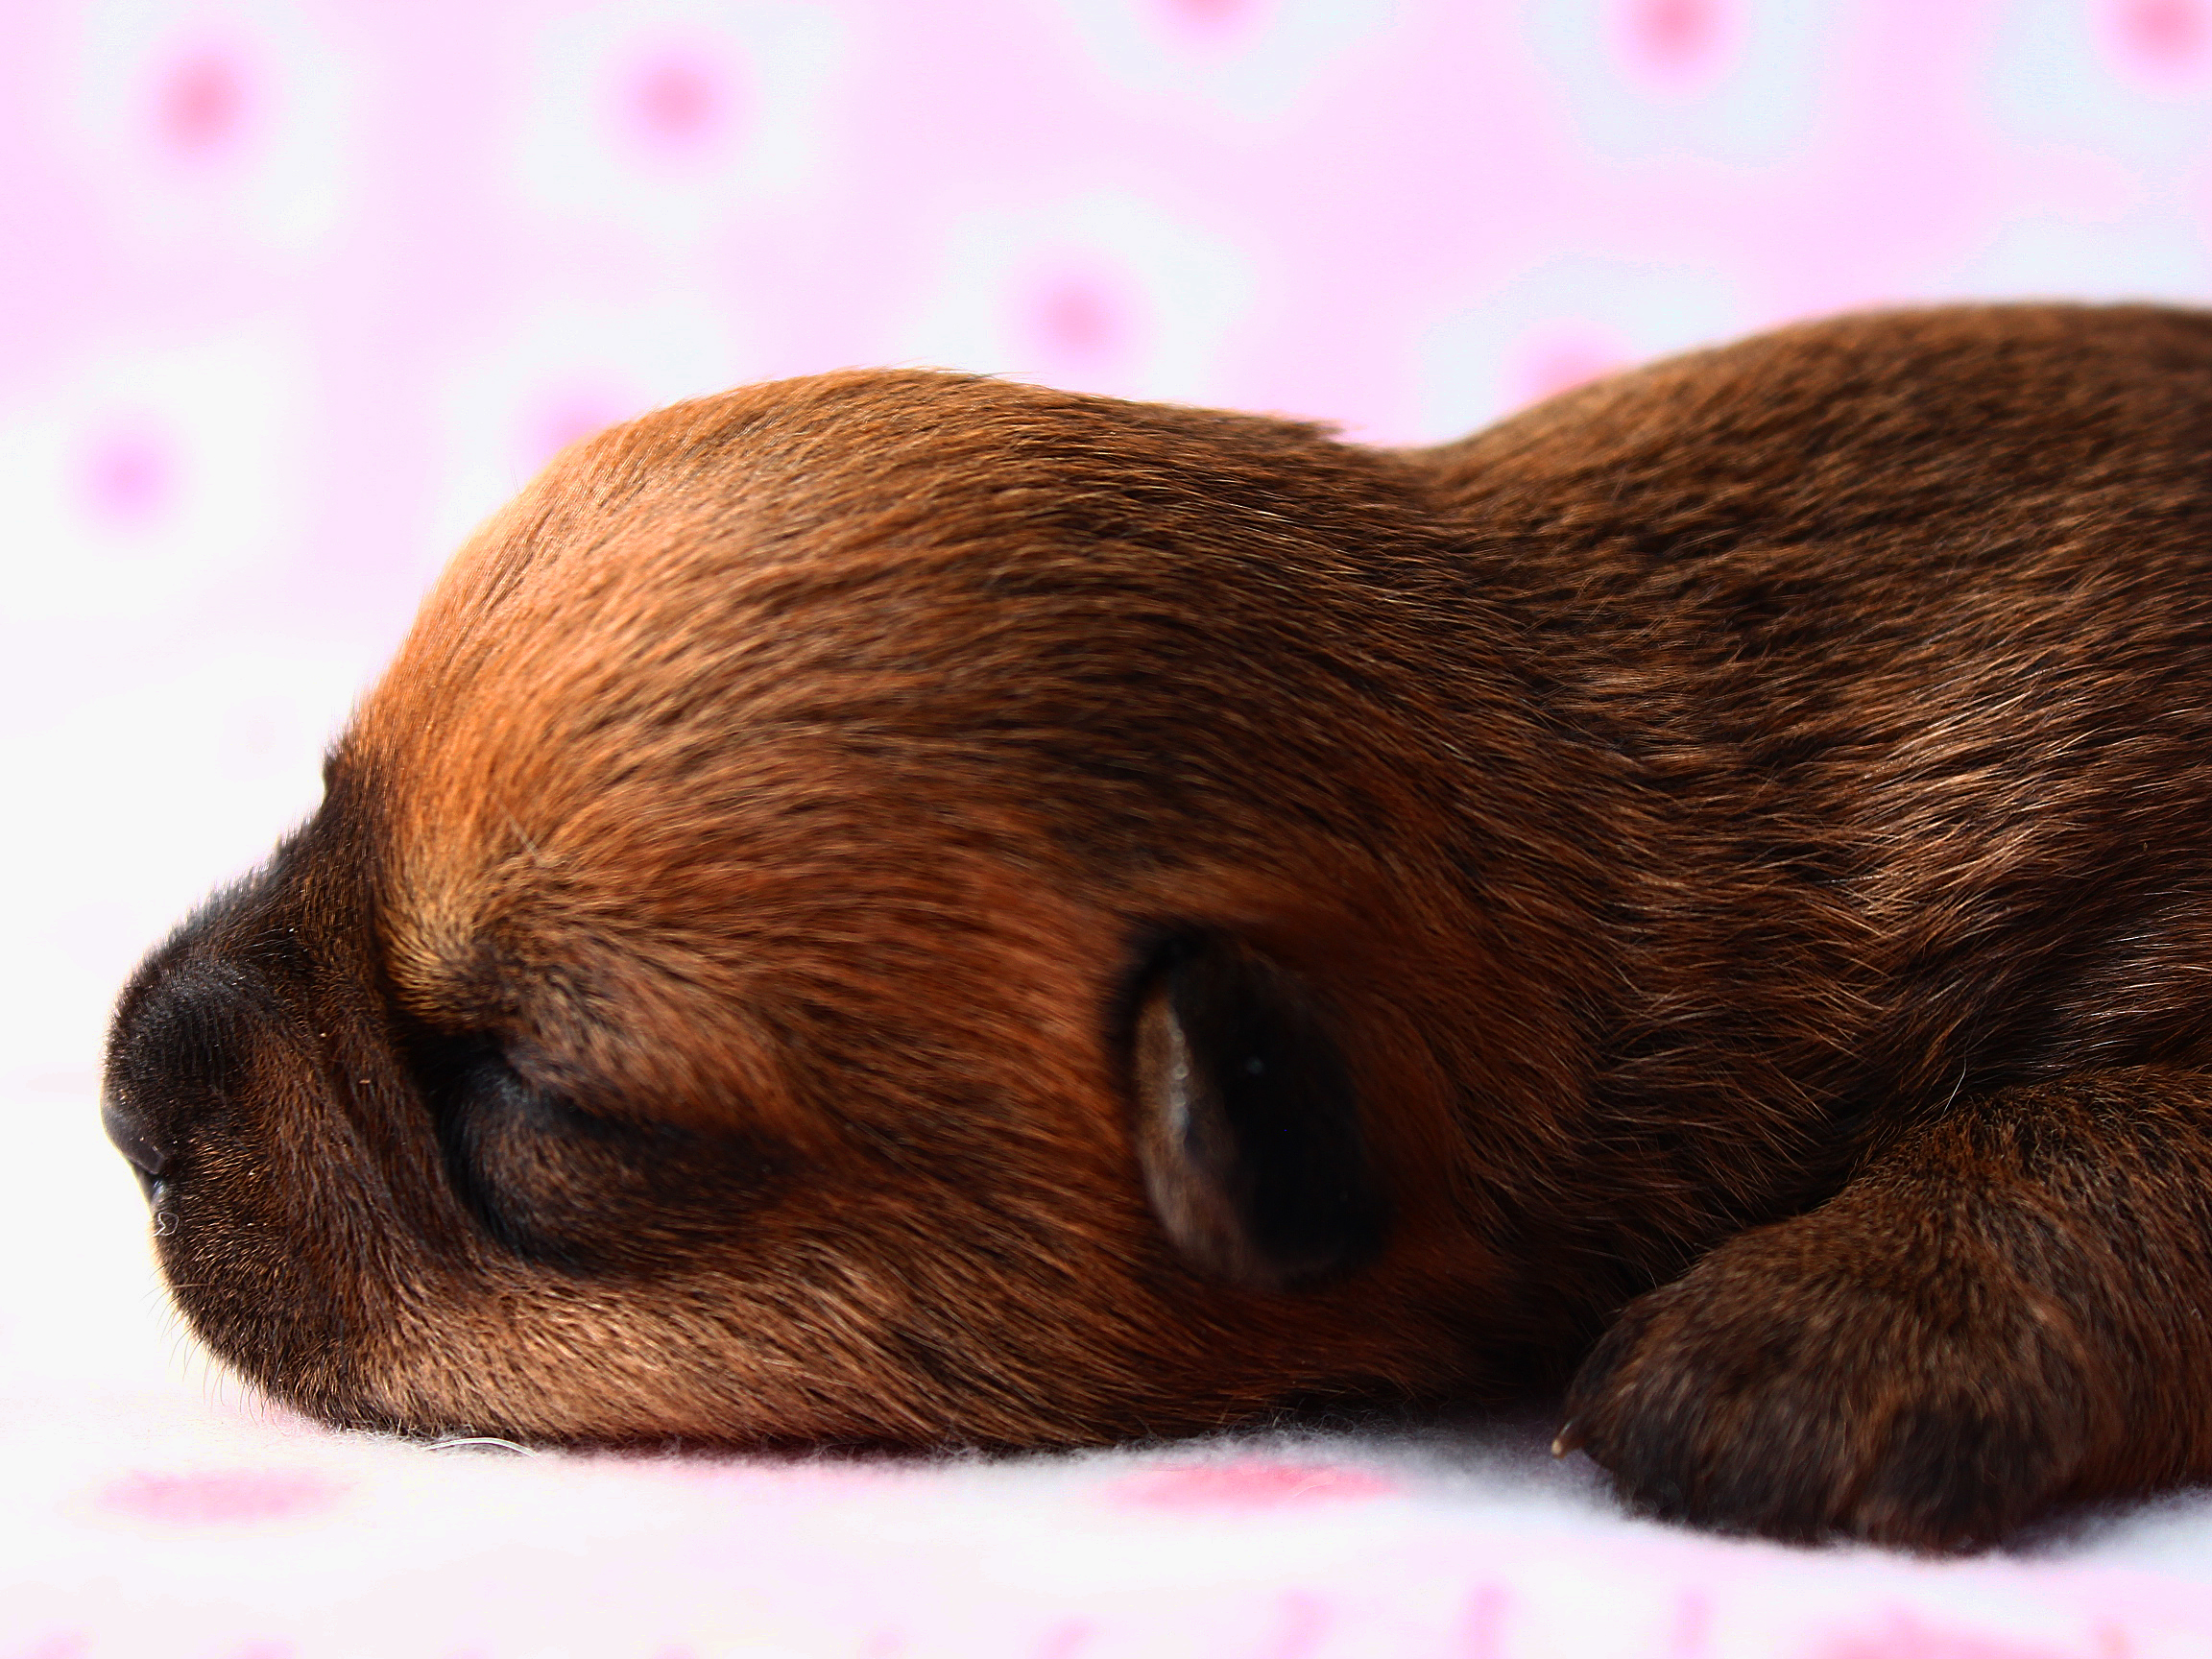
904,909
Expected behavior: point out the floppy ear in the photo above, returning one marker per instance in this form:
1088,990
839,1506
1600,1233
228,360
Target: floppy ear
1246,1123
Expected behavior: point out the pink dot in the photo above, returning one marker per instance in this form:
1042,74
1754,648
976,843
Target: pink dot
564,418
1079,321
200,104
2161,35
221,1497
1209,17
1067,1639
128,476
1671,39
676,102
1905,1637
1562,362
1483,1634
1305,1622
1247,1487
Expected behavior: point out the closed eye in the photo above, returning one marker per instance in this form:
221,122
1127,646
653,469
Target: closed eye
584,1190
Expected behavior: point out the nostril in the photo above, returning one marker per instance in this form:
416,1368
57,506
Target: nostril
134,1139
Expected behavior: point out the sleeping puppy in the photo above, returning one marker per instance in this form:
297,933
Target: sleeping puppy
903,908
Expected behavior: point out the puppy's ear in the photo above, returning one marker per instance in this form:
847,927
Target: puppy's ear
1246,1122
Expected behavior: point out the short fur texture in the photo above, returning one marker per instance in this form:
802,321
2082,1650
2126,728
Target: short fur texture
897,908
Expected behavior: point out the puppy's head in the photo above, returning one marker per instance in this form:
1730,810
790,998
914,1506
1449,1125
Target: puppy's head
862,911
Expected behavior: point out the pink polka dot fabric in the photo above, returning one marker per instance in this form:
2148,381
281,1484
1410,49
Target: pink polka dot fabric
296,291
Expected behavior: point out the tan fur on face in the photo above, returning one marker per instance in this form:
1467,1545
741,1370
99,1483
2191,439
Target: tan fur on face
1668,801
665,798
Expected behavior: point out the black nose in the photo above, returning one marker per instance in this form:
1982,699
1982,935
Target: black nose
172,1056
134,1139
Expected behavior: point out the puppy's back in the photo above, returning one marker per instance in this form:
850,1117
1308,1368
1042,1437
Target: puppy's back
1883,647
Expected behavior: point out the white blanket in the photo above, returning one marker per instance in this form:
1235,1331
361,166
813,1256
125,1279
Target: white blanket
154,1507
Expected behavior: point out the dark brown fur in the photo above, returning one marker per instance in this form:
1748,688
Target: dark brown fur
1733,839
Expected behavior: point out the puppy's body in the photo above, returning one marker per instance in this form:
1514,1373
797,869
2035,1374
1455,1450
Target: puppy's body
900,907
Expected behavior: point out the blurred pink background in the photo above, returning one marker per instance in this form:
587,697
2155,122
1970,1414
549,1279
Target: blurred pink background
292,294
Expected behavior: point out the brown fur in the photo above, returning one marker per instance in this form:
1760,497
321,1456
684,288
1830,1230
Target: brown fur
1737,832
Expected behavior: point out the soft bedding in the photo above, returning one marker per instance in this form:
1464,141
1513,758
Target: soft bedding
153,1505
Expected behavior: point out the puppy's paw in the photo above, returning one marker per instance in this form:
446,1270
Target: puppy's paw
1801,1384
